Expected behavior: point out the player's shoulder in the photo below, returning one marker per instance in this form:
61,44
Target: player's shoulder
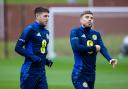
28,28
75,29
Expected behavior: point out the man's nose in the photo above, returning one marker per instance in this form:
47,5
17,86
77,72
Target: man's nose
89,20
47,17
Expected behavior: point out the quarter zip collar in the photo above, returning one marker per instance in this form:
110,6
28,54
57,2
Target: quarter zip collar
85,29
38,25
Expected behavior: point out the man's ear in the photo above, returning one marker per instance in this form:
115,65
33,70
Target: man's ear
37,15
81,20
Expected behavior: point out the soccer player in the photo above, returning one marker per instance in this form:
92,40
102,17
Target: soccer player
32,44
86,43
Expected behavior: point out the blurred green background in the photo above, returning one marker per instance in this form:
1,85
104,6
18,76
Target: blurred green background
43,1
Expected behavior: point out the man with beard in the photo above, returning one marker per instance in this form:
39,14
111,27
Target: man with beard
86,43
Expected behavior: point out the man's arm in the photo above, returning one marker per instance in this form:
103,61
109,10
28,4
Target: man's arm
19,48
105,52
74,40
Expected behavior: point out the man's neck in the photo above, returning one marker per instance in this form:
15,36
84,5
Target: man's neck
40,23
88,28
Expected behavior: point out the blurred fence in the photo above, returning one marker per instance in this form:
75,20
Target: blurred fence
110,3
2,19
18,16
107,22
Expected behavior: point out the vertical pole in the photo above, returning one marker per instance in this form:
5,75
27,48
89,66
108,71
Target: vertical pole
23,14
51,53
90,3
1,19
5,31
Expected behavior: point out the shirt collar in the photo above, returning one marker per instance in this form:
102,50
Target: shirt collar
38,25
85,29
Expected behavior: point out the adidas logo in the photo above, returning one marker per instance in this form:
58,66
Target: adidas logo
83,36
38,34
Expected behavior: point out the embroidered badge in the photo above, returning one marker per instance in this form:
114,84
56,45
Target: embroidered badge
94,37
85,84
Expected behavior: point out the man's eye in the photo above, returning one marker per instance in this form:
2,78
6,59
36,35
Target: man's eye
46,15
87,17
91,17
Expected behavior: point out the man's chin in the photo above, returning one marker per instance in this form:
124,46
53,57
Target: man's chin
44,24
89,26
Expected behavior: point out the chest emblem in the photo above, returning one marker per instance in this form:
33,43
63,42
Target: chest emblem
85,85
83,36
90,43
94,37
38,34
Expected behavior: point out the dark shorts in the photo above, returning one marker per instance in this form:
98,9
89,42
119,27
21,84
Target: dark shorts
32,78
81,81
33,81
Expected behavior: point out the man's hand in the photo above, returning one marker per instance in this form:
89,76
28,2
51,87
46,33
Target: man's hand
97,48
49,63
113,62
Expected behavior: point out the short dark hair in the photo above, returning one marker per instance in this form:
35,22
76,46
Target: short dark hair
86,12
40,10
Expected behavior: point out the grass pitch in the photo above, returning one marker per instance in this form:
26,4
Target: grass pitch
59,76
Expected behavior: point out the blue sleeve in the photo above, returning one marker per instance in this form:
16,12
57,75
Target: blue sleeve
103,50
76,46
22,41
